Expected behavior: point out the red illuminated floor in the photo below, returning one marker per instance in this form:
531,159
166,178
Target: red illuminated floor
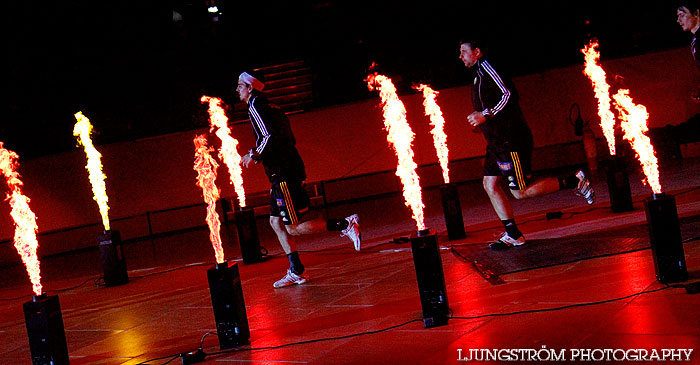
364,307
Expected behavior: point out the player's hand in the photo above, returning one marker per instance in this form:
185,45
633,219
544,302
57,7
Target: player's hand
476,118
245,160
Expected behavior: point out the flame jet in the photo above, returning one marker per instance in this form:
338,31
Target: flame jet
432,109
24,218
228,151
400,136
82,130
206,166
602,92
634,125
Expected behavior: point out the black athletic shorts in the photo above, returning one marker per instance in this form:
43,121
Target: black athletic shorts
289,200
513,165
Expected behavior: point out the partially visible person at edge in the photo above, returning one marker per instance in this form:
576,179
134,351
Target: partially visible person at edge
509,145
289,203
689,19
688,13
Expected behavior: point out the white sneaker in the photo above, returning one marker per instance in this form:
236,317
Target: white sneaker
585,189
506,241
353,231
290,279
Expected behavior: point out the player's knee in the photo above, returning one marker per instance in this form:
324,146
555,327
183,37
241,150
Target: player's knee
490,186
519,194
293,230
276,223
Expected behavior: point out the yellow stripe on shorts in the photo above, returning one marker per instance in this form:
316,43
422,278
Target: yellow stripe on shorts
288,202
518,170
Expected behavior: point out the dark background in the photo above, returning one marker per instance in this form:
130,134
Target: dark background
137,73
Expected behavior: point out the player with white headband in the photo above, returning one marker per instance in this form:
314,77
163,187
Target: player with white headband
289,203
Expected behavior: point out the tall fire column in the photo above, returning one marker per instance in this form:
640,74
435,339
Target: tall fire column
661,212
451,207
110,241
47,338
224,280
615,167
426,254
228,152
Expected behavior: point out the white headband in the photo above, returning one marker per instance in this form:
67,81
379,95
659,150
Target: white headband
252,81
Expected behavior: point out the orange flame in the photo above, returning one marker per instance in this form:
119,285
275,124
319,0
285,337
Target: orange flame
227,152
206,166
400,136
634,125
25,220
432,109
82,130
602,92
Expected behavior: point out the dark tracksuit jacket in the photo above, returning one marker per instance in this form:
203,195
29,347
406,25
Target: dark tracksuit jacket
275,143
495,96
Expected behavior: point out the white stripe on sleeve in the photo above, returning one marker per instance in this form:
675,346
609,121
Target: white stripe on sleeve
501,85
261,126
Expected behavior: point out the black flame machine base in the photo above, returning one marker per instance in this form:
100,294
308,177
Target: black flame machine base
248,239
665,236
47,338
431,279
112,257
618,184
452,210
229,306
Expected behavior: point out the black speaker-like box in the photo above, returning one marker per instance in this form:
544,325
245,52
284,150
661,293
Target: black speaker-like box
112,257
248,236
431,279
229,306
666,241
452,210
47,338
618,184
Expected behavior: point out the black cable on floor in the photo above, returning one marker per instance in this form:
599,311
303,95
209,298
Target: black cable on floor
541,310
315,340
170,357
288,344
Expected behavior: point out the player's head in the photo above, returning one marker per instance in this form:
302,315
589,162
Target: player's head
688,13
470,51
249,83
